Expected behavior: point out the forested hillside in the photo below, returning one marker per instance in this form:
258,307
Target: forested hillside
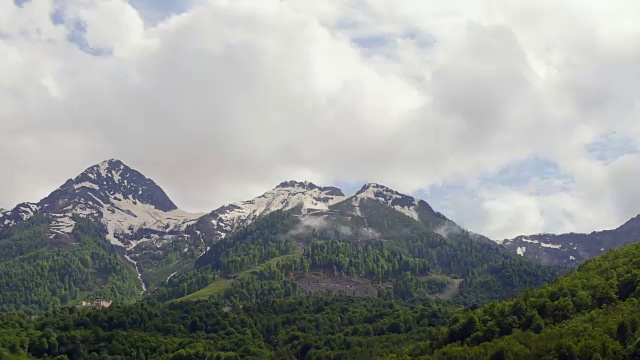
40,275
396,256
590,313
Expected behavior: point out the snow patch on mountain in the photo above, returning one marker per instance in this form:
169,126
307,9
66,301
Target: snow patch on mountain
287,195
126,216
61,224
400,202
86,184
552,246
21,212
27,210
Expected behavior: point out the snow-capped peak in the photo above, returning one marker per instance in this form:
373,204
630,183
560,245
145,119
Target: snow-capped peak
287,195
403,203
123,198
112,178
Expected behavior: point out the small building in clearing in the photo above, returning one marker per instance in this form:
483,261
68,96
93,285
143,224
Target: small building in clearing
97,303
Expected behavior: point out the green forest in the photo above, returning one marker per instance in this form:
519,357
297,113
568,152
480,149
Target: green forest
410,260
40,275
246,297
590,313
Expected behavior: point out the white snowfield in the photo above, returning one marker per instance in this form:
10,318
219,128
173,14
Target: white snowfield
387,196
126,216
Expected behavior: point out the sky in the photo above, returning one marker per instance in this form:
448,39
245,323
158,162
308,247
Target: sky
510,117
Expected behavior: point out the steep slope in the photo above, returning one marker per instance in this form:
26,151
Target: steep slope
124,199
143,224
416,209
572,248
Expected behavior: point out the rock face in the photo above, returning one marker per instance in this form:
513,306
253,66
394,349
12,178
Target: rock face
417,209
572,248
21,212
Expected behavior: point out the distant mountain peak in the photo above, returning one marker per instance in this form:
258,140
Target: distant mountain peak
297,184
307,185
569,249
124,199
417,209
306,195
376,187
112,178
384,193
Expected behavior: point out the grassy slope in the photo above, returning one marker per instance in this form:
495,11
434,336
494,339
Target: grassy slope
221,284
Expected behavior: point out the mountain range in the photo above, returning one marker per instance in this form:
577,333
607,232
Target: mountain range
147,233
301,271
146,226
573,248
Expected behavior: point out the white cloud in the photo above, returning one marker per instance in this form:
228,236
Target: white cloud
231,97
114,25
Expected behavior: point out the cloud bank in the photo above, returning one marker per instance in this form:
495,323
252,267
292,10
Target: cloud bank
220,100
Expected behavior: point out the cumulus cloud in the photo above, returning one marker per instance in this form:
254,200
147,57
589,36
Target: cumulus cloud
224,99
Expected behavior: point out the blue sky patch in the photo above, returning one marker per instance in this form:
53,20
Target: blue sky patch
77,33
520,174
612,146
154,11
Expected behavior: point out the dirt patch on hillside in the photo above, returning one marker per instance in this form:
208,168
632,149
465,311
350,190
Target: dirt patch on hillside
452,290
318,282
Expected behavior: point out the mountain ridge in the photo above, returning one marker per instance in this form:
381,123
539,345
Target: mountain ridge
137,211
123,198
161,245
147,228
111,186
570,249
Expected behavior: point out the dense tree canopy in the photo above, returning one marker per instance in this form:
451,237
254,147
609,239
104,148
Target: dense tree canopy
590,313
38,274
250,302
